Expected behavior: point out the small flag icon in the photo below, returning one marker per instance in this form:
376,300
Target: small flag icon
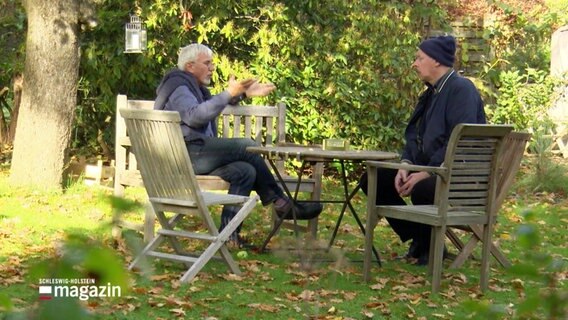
44,292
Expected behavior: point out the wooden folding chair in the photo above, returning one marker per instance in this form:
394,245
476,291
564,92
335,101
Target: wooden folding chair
509,163
172,188
465,195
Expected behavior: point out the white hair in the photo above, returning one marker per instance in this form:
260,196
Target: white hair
190,52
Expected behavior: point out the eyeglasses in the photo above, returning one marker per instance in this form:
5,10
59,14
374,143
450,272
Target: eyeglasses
209,64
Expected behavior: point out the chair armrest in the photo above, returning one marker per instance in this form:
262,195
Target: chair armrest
441,171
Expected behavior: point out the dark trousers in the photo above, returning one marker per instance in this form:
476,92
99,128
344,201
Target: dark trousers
423,193
244,171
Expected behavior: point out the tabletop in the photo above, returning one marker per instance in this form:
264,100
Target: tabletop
317,153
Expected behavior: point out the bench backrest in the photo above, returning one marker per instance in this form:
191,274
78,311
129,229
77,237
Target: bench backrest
266,124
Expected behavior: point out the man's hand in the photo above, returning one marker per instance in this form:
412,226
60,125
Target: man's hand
404,182
236,88
260,89
400,180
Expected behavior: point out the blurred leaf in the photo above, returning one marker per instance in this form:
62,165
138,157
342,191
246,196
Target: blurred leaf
123,204
62,308
527,306
527,236
5,302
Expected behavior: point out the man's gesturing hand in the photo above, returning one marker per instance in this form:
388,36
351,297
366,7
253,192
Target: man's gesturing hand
236,88
260,89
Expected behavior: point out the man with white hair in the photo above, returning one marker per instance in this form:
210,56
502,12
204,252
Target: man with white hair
185,90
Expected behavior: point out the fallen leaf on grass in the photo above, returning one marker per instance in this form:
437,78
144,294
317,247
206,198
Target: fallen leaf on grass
172,300
291,296
459,278
332,310
399,288
264,307
175,283
178,312
307,295
381,306
412,313
380,285
232,277
160,277
349,295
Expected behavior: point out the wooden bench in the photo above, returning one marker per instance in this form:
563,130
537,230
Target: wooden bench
266,124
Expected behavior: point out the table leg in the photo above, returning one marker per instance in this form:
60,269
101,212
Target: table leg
293,198
347,203
290,196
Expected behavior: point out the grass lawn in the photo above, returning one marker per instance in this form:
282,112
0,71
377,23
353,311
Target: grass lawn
278,285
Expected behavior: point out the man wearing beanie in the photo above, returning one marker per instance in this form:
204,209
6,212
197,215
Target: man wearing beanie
448,100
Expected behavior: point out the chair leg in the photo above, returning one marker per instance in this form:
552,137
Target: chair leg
485,258
437,254
313,228
149,223
371,223
149,247
495,251
219,243
455,239
170,224
465,252
230,228
431,252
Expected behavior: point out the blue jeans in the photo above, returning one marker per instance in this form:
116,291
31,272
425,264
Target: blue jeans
244,171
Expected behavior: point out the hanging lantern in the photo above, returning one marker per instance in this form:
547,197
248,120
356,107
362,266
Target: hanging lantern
135,36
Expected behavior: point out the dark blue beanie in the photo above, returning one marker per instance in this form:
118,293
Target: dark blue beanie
441,49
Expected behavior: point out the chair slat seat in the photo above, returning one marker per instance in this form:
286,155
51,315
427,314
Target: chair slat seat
210,198
428,214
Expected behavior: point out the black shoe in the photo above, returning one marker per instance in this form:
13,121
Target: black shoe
413,251
423,259
302,211
425,256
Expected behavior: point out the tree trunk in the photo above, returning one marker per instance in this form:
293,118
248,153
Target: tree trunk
49,93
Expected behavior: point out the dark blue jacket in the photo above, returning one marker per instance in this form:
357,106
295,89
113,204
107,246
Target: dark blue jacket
453,100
